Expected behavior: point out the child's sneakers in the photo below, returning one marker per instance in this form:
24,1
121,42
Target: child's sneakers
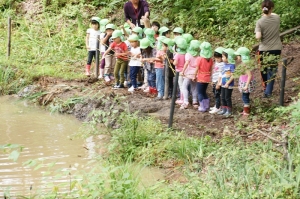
184,106
228,112
214,110
106,78
117,86
179,102
131,89
222,111
111,77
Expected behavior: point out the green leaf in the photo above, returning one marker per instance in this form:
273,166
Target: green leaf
14,155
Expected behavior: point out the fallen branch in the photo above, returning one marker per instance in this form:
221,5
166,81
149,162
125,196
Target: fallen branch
270,137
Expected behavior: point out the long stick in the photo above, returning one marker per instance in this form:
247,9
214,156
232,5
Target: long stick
9,37
283,76
97,56
173,100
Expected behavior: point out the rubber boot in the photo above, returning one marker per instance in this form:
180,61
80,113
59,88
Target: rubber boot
154,90
150,90
246,110
206,104
201,107
101,73
88,70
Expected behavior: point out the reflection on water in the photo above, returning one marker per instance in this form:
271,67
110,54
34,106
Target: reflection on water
45,137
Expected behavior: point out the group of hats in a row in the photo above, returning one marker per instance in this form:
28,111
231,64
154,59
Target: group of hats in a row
184,43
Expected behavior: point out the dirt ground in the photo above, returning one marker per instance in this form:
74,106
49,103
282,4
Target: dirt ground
190,120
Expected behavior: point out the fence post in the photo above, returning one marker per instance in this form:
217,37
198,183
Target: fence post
97,55
9,37
174,95
283,77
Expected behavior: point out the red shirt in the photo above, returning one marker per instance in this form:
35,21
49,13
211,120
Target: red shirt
120,48
204,69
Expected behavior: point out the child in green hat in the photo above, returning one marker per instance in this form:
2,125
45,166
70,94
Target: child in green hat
109,57
103,23
246,81
134,63
148,56
189,72
91,42
203,75
217,69
179,61
227,81
121,52
177,32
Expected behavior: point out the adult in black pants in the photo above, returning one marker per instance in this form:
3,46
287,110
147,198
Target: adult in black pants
267,30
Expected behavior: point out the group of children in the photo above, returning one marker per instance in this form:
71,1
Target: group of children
152,53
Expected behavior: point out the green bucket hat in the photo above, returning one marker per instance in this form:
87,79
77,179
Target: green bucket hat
219,50
149,32
169,42
116,34
206,50
103,23
126,25
231,56
133,38
181,45
194,48
244,53
96,19
188,37
138,30
178,30
163,29
110,26
145,43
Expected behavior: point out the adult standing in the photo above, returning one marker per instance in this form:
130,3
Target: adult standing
137,13
267,30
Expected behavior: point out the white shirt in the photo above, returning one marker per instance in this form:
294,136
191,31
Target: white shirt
93,38
102,46
134,61
217,70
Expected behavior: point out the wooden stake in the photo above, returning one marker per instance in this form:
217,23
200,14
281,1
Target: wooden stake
9,37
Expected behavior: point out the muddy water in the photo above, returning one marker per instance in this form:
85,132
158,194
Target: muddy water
45,138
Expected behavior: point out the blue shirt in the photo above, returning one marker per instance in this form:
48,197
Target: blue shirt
226,74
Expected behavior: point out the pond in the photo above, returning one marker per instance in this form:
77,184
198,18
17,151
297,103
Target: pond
46,138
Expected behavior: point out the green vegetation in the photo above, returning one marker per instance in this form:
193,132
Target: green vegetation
51,43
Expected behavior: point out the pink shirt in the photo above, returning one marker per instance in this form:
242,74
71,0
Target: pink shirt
204,69
180,59
190,71
159,64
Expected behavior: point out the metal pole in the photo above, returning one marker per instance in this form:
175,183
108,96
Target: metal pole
97,56
173,100
9,37
283,77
